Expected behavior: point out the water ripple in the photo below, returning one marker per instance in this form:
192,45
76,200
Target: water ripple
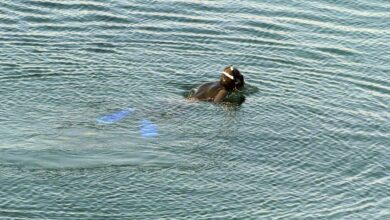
310,141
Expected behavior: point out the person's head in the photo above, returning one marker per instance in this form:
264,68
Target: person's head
231,78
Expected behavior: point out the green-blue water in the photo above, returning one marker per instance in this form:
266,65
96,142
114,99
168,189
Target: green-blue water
311,140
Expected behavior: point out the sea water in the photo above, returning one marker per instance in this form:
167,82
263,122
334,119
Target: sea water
310,141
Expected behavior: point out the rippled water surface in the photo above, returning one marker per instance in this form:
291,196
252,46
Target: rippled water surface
311,140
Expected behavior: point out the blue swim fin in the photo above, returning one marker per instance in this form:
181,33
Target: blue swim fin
114,117
148,129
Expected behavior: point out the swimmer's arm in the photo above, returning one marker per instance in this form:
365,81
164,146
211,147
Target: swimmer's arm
221,94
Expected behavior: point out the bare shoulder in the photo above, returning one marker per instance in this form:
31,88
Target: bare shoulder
220,95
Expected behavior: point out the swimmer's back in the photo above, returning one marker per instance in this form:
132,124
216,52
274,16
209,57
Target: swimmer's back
208,91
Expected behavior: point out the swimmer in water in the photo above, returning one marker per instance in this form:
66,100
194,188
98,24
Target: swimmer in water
231,80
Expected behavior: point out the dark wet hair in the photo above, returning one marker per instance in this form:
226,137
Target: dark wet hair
230,84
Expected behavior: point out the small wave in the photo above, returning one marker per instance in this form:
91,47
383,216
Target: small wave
337,51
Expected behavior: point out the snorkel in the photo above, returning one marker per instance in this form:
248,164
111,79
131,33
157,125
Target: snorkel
228,75
237,80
